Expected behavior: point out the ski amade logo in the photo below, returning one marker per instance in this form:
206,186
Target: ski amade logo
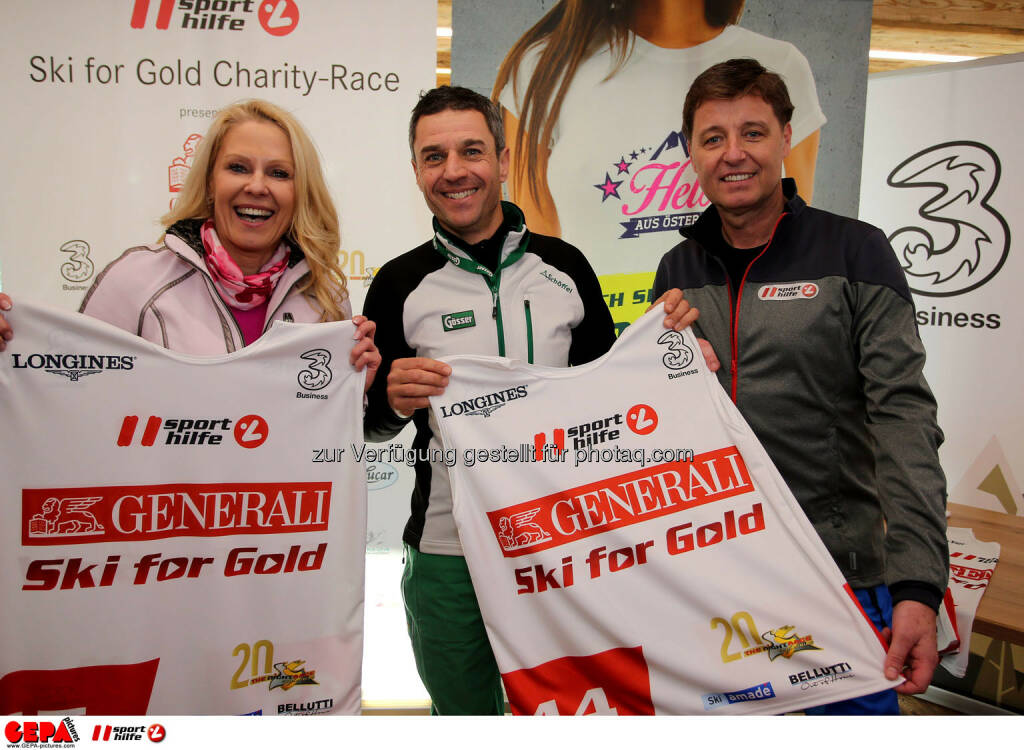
761,692
276,17
960,241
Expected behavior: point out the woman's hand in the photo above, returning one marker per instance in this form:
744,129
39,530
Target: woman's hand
364,352
6,333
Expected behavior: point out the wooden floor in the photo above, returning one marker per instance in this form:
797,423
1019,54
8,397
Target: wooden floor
912,706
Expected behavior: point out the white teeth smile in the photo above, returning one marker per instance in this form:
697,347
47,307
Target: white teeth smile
737,177
460,194
254,213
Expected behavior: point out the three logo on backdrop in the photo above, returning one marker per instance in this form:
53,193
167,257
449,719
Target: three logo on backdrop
277,17
960,241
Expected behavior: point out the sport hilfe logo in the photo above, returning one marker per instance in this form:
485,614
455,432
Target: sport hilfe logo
277,17
796,290
641,419
250,431
107,732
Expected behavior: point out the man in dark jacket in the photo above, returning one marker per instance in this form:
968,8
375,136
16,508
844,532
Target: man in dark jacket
812,318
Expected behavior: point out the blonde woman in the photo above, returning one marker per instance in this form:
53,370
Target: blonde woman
593,97
253,238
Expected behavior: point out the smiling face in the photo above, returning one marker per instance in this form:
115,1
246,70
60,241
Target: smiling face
460,172
253,188
737,147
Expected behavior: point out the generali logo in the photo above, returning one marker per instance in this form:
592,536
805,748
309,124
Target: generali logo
86,515
277,17
619,501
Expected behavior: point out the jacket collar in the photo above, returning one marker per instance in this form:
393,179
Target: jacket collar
707,230
516,238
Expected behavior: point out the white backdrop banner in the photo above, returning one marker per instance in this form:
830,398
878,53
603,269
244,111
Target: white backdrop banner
943,176
108,100
169,560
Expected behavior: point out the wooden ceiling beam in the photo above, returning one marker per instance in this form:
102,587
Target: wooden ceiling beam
997,15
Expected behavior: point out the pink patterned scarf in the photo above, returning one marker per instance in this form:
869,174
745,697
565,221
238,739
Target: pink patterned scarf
235,288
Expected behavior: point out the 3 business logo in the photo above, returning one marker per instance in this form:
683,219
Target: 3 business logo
277,17
79,266
679,356
960,241
317,374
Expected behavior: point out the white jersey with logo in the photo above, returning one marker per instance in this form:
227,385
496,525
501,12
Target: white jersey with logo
971,563
657,564
181,535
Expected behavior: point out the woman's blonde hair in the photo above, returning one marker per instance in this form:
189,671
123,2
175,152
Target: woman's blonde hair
573,30
314,229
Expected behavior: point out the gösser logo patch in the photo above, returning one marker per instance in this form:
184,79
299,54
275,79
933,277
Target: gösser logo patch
456,320
796,290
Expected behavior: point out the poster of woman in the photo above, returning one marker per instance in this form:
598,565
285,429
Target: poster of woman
592,98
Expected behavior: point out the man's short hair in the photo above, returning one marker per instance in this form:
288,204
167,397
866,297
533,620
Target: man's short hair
457,98
732,79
